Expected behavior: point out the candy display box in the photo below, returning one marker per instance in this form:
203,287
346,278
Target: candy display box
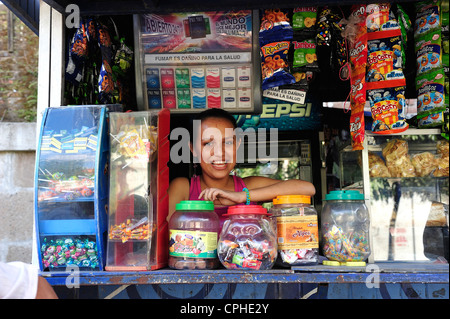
71,187
138,202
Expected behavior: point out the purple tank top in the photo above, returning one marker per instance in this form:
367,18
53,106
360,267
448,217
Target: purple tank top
195,190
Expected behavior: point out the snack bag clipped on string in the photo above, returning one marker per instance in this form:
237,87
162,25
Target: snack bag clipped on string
274,65
387,106
304,22
275,26
78,52
303,55
380,17
385,57
428,18
428,48
430,92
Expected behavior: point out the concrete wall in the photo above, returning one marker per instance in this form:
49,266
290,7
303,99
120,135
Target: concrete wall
17,162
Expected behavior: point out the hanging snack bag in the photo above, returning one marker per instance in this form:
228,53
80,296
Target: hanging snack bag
388,109
275,26
427,18
380,18
303,55
430,92
384,60
274,65
428,52
78,52
304,22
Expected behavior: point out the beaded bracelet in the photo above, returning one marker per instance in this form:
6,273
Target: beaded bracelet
245,189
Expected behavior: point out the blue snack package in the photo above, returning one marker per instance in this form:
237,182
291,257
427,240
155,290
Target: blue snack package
274,65
275,26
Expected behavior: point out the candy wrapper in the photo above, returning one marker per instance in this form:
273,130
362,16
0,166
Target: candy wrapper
274,65
304,22
275,26
430,93
63,252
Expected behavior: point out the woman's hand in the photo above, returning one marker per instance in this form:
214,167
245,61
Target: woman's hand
223,197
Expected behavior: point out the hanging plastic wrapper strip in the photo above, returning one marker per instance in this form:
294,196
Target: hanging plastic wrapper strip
356,34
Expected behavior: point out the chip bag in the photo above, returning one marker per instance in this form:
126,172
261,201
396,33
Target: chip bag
275,26
274,65
427,17
384,61
430,92
428,50
304,22
387,106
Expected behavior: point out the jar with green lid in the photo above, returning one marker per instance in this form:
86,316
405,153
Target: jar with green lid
193,235
345,226
297,230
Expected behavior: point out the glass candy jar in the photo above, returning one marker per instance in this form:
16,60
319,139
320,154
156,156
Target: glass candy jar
247,239
297,230
345,226
193,234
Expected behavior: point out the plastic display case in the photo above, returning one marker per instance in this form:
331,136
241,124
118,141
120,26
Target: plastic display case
406,187
138,202
71,188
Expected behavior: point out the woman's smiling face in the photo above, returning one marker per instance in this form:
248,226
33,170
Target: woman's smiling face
215,146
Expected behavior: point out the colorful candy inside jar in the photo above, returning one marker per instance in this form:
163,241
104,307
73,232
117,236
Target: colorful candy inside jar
345,227
297,230
247,239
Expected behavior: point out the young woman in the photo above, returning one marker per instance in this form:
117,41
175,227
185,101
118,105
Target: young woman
214,145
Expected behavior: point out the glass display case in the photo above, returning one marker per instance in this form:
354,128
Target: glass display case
405,181
71,185
137,231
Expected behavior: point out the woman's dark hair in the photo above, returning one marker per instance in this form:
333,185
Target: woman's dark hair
212,113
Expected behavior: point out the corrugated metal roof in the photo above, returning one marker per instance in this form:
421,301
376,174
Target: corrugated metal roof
25,10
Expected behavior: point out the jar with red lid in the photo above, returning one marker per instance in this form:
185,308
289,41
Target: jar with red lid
247,239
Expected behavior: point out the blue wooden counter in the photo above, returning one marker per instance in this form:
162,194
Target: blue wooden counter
375,281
